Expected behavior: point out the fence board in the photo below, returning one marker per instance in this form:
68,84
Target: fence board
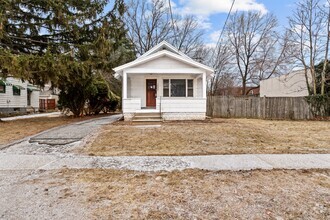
258,107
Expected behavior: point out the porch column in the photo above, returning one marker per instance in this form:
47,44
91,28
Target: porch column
204,85
124,85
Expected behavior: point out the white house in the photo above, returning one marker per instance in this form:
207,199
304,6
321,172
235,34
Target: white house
166,82
289,85
18,96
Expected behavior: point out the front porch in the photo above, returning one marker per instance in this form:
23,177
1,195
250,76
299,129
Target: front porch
174,97
168,108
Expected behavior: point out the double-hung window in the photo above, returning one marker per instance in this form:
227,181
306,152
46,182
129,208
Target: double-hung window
166,88
178,88
190,87
16,90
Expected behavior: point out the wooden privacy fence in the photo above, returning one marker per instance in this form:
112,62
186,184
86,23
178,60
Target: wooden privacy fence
258,107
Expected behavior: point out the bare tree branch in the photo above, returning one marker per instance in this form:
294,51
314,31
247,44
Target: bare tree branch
259,52
307,25
149,23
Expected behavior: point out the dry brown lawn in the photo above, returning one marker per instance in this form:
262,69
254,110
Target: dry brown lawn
197,194
216,136
18,129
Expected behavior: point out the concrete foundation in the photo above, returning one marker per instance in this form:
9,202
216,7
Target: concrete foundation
183,116
128,116
173,116
11,110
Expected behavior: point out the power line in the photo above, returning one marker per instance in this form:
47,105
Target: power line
223,28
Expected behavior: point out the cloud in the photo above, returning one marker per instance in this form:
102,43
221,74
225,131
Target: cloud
203,9
209,7
214,36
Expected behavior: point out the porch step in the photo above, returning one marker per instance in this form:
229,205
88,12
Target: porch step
147,114
147,117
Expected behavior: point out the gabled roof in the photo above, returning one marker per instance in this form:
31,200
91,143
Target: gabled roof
160,50
164,46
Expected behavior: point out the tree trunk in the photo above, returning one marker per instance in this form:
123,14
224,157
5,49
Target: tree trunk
307,81
243,87
325,64
313,79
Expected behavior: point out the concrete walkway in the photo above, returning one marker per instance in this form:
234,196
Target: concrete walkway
169,163
60,139
37,115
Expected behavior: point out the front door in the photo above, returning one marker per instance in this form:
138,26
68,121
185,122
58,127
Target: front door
151,92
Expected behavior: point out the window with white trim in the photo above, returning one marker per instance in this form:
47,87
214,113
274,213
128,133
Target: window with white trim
166,87
190,88
178,88
16,90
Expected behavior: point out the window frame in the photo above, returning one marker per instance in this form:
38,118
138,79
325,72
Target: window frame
168,88
16,91
190,88
186,91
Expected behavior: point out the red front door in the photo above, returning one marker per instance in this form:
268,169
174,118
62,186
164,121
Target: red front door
151,92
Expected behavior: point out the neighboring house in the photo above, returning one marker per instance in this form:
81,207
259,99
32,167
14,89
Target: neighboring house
48,98
238,91
289,85
166,82
18,96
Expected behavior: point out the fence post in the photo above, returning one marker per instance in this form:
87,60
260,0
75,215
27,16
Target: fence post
263,107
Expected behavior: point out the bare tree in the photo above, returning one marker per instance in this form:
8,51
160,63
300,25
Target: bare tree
187,37
307,27
325,64
149,23
224,76
258,50
273,57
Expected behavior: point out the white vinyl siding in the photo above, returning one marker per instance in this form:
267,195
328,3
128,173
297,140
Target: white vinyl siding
183,105
199,87
9,100
136,88
131,105
163,63
35,99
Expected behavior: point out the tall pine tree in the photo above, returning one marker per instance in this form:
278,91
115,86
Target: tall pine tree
66,42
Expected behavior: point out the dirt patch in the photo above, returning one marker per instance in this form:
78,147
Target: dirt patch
18,129
41,195
216,136
197,194
188,194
